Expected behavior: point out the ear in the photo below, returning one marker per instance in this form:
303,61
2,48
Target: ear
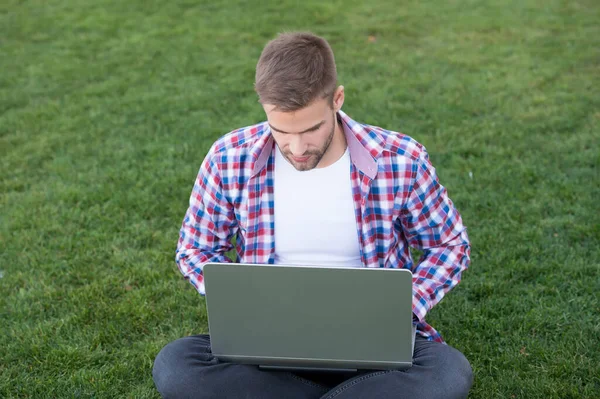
338,98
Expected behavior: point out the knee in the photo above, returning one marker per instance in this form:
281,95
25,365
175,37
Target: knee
171,368
458,374
165,370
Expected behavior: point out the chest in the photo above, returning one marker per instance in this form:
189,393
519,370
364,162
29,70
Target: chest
354,205
315,215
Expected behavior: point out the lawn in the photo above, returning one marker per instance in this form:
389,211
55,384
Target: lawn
108,107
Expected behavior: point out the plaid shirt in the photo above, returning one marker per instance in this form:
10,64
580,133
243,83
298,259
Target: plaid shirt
398,203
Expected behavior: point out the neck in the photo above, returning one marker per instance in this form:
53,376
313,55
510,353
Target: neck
336,148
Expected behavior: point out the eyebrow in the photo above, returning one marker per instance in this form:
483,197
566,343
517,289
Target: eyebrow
310,129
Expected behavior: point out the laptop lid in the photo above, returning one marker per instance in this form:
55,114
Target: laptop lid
310,317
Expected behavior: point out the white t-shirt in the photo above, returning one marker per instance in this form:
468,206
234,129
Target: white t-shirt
314,215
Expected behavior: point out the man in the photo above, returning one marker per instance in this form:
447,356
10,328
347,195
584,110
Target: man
312,186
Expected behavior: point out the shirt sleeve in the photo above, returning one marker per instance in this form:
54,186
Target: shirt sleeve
432,224
208,225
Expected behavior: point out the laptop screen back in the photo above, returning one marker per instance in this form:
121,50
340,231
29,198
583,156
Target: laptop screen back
313,317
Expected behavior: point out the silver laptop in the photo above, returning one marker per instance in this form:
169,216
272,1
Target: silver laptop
310,318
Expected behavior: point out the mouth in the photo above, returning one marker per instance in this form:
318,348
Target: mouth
300,159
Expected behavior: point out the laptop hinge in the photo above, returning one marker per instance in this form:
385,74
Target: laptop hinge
320,369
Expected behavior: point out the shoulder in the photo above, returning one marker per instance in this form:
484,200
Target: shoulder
233,156
240,140
396,145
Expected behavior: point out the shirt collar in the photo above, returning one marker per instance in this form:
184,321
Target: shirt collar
358,140
363,144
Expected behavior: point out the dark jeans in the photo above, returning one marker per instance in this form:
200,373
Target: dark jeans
186,368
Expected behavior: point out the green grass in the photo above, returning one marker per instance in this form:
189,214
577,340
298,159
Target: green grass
108,107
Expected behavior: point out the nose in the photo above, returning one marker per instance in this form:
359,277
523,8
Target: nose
297,146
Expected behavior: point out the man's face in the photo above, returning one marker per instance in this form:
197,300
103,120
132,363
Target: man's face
305,135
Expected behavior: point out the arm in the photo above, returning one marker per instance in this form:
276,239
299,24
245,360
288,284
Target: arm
208,225
431,223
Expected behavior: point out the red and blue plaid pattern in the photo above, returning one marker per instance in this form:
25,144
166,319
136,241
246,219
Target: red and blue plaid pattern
398,199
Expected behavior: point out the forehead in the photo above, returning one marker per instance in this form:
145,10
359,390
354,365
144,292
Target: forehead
299,120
